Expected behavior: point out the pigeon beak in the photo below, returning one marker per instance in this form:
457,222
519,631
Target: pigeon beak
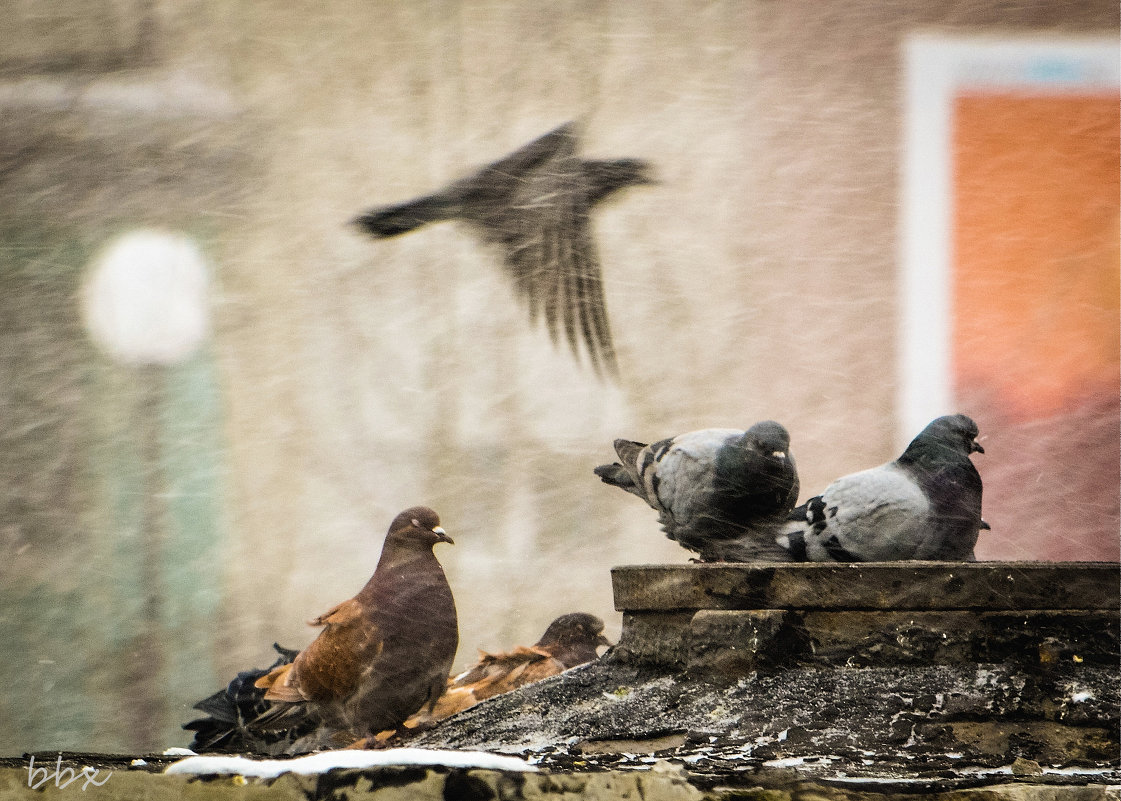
601,640
985,526
975,447
442,536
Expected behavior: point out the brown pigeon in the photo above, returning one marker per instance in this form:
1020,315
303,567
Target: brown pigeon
535,205
383,654
569,641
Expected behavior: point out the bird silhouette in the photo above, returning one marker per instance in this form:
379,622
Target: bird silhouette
535,206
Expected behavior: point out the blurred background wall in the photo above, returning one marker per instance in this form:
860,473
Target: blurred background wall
171,503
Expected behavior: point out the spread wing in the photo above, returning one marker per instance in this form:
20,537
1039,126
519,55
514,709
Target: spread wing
551,257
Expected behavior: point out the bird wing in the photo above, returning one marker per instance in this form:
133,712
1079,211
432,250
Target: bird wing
561,140
550,255
875,515
279,685
330,668
494,674
488,186
954,490
476,673
686,473
512,669
627,475
453,701
342,614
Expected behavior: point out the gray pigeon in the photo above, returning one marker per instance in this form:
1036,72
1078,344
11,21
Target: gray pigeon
924,505
721,492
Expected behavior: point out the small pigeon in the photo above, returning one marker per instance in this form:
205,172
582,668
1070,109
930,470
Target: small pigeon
380,657
535,206
570,640
924,505
721,492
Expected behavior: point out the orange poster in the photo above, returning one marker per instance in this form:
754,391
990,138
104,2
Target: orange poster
1036,326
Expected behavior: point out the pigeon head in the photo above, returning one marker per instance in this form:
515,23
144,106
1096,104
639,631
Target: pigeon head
755,476
605,177
418,525
953,432
573,638
769,438
574,627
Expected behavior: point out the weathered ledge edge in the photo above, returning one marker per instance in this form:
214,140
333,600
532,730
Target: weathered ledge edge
940,675
733,619
662,782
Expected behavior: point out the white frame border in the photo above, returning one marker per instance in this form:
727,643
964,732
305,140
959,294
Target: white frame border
935,68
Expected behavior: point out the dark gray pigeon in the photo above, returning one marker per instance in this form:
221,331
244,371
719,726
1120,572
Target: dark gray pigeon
535,205
721,492
924,505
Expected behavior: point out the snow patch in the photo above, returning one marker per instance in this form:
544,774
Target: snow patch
353,759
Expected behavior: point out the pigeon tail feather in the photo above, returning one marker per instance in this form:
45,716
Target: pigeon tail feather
400,219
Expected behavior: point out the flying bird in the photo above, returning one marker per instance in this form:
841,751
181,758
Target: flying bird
570,640
381,656
924,505
535,206
721,492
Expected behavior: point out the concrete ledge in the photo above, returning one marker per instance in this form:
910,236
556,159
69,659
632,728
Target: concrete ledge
923,675
735,642
730,620
871,585
774,682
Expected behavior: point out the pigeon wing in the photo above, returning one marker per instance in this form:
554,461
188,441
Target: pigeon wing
686,481
875,515
482,195
954,491
545,234
328,670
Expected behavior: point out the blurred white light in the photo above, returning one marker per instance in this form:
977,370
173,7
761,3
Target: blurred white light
144,300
